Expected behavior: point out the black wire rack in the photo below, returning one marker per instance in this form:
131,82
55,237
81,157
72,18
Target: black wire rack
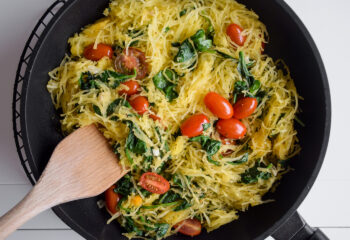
22,75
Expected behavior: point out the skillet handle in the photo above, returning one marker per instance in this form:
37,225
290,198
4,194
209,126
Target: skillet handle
295,228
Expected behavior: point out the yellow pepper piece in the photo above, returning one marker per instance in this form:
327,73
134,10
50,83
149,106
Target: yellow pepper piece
136,201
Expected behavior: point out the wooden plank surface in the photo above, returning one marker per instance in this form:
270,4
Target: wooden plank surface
15,28
45,234
34,234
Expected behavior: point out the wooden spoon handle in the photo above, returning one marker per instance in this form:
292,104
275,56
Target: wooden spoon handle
31,205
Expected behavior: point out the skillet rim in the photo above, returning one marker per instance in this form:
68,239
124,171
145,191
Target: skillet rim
62,214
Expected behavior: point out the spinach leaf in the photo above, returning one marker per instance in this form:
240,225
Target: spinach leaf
216,163
87,81
133,43
212,147
210,30
134,144
201,139
241,86
147,163
242,67
160,205
224,55
113,79
130,226
124,186
249,86
209,145
112,106
259,96
97,110
145,193
170,93
166,29
243,159
252,174
206,126
128,156
161,168
177,180
164,81
201,42
116,148
184,205
161,229
254,88
186,52
169,197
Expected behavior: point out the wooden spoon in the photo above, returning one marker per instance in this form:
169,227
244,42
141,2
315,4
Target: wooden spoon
81,166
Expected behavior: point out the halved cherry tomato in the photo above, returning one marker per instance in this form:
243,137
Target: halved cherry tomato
112,198
262,47
154,183
218,105
140,104
154,117
193,126
130,60
227,153
102,50
234,31
189,227
227,141
244,107
133,87
231,128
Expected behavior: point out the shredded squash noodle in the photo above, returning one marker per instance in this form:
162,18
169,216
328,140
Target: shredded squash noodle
187,49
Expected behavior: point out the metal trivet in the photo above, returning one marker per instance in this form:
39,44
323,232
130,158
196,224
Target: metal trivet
30,50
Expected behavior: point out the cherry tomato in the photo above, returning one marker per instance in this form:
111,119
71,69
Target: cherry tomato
133,88
244,107
154,183
189,227
193,126
218,105
140,104
231,128
234,31
102,50
131,59
112,199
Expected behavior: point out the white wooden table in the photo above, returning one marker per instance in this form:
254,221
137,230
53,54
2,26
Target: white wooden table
328,204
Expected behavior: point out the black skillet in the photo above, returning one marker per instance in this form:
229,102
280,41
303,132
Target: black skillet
36,123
